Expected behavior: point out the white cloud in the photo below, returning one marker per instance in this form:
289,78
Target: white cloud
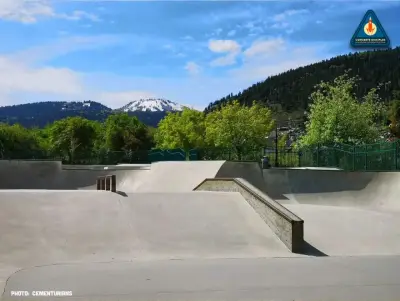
231,33
66,45
192,68
79,15
28,11
218,31
119,99
289,13
270,57
21,83
289,20
25,11
265,47
231,47
221,46
227,60
187,38
290,31
280,25
16,77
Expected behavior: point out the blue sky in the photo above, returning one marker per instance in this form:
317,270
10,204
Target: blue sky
186,51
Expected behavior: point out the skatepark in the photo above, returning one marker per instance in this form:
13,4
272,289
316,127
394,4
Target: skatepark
196,230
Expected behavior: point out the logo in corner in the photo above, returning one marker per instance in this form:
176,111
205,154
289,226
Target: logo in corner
370,33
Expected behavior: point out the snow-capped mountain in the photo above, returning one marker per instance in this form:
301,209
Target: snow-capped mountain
148,111
152,105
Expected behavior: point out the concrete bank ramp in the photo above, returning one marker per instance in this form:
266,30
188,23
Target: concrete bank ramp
47,227
15,174
178,176
160,176
379,190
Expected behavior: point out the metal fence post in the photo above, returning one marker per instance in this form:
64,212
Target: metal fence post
114,183
102,183
108,183
299,157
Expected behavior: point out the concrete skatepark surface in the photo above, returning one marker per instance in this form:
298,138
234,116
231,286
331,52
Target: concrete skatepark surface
55,227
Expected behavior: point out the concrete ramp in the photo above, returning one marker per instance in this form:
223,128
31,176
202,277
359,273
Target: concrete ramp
178,176
47,227
16,174
52,175
160,176
250,171
378,190
62,219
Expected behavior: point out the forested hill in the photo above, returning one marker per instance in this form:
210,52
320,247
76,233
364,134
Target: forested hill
292,89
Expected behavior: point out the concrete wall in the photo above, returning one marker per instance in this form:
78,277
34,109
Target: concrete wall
285,224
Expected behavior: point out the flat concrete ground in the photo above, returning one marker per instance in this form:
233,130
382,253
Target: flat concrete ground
347,231
286,279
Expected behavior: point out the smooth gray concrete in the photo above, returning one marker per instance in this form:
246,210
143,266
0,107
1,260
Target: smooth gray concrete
377,190
47,227
156,217
284,223
161,177
329,278
346,231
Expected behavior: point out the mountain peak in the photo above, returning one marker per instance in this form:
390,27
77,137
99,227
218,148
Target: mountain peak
152,105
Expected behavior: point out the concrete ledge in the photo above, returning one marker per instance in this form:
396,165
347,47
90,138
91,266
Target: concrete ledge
284,223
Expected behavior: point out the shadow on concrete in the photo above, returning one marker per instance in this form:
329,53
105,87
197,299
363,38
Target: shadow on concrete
310,250
121,193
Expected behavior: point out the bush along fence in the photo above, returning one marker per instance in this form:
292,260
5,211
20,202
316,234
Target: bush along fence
371,157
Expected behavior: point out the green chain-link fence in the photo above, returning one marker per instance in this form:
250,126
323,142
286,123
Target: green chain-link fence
383,156
372,157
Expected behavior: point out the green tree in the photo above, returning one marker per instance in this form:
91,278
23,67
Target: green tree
337,116
292,89
184,130
17,142
42,137
73,137
239,127
394,117
124,132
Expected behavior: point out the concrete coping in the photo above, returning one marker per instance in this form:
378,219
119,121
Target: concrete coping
285,224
